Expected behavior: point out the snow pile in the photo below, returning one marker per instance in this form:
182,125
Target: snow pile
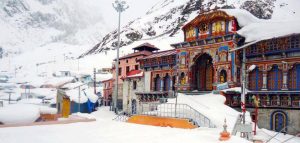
74,96
47,110
213,107
84,115
19,113
35,101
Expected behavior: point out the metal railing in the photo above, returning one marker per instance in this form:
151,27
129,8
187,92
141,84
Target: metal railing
172,110
122,117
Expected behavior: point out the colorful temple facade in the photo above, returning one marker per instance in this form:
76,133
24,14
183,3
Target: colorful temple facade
208,58
203,58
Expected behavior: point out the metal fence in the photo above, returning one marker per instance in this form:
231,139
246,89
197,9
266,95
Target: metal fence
172,110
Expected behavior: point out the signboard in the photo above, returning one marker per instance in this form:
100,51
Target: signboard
222,86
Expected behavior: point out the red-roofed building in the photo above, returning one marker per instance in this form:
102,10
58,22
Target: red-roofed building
129,63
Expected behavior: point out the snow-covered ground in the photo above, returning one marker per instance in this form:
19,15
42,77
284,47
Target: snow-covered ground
104,129
108,131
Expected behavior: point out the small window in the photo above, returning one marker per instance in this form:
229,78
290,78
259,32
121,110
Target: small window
127,69
126,61
120,71
136,67
134,85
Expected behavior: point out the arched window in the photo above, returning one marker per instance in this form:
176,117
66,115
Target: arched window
167,83
255,79
294,78
279,121
275,78
223,76
157,83
182,78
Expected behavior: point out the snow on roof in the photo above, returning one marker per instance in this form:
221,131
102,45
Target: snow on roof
136,54
85,95
269,29
161,54
59,81
243,17
48,93
148,45
91,95
72,85
19,113
103,77
74,96
235,89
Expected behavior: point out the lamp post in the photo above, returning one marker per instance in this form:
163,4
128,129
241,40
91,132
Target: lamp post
120,6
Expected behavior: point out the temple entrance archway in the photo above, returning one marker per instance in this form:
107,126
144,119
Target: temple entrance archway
203,73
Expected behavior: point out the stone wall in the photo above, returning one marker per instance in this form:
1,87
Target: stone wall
293,117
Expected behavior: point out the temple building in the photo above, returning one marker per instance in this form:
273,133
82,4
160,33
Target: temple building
209,57
204,59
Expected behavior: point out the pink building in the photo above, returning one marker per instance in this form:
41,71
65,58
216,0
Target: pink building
129,63
107,91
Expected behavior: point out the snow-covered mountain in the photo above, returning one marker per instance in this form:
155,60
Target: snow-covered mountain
28,24
165,19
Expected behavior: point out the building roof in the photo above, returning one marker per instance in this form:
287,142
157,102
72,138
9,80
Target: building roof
161,54
107,80
141,53
146,46
243,17
134,74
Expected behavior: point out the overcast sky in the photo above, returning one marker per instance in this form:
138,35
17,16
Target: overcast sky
137,8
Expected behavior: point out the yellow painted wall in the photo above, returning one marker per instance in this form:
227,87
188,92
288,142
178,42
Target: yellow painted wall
66,108
162,122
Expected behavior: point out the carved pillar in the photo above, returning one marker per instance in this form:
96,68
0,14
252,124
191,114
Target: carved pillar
265,75
278,100
285,78
161,84
284,86
171,83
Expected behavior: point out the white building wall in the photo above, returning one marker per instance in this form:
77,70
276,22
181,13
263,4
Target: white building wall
125,94
147,81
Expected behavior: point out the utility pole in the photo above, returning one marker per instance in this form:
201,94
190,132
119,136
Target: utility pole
95,81
243,99
175,89
120,6
79,96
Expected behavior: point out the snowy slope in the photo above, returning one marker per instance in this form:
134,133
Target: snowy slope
165,19
29,24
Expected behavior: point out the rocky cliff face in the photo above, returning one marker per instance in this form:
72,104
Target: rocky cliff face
167,17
